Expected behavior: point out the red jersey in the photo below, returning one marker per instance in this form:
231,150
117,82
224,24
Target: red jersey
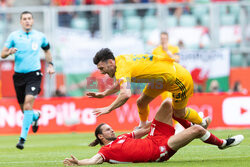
152,148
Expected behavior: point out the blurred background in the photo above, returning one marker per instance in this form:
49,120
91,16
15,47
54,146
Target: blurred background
213,37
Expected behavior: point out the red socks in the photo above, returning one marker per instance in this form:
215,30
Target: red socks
212,139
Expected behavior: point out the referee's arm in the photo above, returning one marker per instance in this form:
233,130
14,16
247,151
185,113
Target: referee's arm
48,59
7,51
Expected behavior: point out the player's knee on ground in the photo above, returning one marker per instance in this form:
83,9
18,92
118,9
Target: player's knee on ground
198,130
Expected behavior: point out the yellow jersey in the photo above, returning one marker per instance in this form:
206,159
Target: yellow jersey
143,68
159,51
162,74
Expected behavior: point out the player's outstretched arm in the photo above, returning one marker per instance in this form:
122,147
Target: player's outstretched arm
124,95
115,88
73,161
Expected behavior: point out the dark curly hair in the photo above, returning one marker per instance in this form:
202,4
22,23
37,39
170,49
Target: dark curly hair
103,55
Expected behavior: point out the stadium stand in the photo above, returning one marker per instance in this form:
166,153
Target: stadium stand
228,19
171,21
79,23
205,20
133,23
236,60
188,21
150,23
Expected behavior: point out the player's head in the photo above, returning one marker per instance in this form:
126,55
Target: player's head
104,134
105,61
164,38
26,20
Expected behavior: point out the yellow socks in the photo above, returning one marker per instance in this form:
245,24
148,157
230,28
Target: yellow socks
192,116
143,113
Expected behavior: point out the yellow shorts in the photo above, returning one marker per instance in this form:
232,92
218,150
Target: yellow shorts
165,95
181,88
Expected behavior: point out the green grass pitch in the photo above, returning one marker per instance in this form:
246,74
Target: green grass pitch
49,151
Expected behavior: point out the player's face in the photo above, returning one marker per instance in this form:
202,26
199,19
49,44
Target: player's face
27,22
107,67
164,39
108,133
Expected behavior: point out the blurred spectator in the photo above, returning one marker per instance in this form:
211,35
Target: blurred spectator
197,88
46,2
63,2
181,44
179,11
6,3
60,92
237,87
64,17
117,21
3,4
139,12
167,50
214,86
94,16
103,2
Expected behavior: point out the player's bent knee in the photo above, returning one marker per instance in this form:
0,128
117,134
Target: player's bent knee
167,103
197,129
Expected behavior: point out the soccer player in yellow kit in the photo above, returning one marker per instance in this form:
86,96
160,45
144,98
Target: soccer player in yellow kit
161,74
169,51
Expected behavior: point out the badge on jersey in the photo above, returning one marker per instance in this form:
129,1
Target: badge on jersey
34,46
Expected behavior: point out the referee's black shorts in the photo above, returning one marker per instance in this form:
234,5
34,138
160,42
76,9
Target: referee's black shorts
27,84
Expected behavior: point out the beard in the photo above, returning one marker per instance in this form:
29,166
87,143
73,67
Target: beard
111,138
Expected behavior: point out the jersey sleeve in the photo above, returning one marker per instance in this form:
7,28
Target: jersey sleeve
9,43
104,153
123,73
156,51
176,50
45,42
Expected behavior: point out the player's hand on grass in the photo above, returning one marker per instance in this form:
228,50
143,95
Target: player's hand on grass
100,111
95,94
73,161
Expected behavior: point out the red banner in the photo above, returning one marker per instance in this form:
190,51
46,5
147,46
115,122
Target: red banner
75,114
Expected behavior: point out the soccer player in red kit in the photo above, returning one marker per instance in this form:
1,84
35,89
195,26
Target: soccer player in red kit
159,145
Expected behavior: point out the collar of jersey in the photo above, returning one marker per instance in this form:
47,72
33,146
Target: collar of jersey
23,32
